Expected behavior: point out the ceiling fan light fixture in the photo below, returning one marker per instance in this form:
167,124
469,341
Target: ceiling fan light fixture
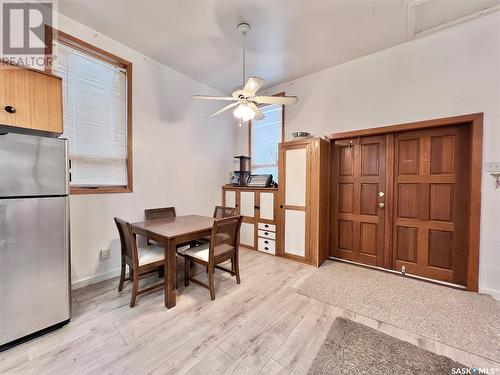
244,112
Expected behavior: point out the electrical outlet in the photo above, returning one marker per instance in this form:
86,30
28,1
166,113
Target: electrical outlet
105,253
492,166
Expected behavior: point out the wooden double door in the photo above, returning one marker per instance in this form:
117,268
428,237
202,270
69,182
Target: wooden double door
400,201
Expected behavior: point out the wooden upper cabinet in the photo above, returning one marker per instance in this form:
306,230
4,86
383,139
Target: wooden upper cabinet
30,99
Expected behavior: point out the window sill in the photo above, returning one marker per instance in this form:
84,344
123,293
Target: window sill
78,190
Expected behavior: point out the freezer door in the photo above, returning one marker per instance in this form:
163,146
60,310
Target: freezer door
32,166
34,265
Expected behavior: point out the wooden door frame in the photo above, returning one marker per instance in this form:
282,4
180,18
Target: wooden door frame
475,122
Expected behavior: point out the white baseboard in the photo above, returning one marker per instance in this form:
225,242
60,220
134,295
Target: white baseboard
95,279
494,293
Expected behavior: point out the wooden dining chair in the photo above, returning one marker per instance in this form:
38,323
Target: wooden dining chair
158,214
221,212
223,246
141,260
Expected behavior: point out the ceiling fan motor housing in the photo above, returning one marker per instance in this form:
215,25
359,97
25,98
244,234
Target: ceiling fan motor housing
244,28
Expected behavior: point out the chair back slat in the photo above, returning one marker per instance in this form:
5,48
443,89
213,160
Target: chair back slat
221,212
127,240
159,213
225,236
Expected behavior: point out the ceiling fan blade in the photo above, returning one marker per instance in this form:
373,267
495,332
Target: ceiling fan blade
206,97
223,109
258,113
276,99
252,86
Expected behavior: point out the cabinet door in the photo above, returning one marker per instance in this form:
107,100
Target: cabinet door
267,206
230,198
16,92
36,97
247,203
294,217
295,232
247,234
46,103
295,177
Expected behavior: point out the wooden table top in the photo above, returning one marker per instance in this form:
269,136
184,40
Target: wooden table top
176,226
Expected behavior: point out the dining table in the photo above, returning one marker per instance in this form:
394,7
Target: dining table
170,233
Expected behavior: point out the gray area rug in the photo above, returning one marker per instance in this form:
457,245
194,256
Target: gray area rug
464,320
352,348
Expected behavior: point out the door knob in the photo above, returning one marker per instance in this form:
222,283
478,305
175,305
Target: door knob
10,109
381,194
381,205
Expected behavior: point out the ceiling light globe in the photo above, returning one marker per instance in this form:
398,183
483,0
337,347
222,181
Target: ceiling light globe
244,112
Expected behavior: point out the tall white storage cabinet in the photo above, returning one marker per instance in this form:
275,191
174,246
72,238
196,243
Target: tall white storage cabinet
258,208
303,219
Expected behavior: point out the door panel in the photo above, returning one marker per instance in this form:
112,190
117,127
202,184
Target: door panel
266,206
34,265
32,165
247,203
358,221
247,234
431,192
295,177
295,232
295,206
230,198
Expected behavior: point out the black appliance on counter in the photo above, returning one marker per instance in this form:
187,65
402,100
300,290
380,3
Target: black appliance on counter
240,177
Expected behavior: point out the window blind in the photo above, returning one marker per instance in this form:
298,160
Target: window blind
95,117
266,134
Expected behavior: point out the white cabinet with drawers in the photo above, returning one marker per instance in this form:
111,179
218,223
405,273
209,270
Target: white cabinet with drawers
257,206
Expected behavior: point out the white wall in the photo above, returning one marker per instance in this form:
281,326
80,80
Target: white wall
452,72
180,158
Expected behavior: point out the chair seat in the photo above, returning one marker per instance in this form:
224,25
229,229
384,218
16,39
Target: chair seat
201,251
150,254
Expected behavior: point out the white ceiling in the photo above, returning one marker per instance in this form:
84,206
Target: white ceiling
289,38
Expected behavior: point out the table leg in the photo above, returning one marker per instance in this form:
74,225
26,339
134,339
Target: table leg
170,273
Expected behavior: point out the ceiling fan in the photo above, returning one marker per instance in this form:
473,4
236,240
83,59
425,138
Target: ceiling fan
244,97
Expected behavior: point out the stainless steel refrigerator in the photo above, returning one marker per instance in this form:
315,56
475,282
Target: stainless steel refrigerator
34,237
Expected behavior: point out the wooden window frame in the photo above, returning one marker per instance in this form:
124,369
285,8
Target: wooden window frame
282,132
52,34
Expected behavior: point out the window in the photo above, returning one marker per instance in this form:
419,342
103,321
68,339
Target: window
264,138
97,115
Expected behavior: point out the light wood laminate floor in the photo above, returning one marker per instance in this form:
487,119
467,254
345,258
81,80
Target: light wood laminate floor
261,326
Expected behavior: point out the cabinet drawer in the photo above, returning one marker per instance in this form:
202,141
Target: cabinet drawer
267,246
267,227
267,234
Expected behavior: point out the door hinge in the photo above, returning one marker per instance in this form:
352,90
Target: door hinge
403,270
